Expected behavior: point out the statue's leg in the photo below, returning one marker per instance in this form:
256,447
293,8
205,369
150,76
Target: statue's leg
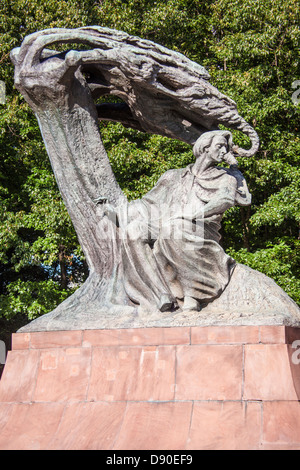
143,280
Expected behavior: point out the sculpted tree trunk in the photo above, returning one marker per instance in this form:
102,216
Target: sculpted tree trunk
62,102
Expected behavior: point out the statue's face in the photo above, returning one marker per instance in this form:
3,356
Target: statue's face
218,148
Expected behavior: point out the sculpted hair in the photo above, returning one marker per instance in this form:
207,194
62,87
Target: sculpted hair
206,139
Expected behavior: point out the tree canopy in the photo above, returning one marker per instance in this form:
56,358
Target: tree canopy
251,50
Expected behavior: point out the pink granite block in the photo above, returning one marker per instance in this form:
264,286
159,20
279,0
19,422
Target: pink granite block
136,337
63,374
55,339
19,377
6,410
272,334
150,426
100,338
212,372
225,426
132,373
31,426
89,426
268,374
20,341
224,335
281,424
155,336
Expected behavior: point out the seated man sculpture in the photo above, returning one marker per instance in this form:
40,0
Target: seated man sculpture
170,237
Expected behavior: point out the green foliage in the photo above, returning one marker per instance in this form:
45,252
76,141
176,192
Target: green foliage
279,261
251,50
138,159
180,25
32,298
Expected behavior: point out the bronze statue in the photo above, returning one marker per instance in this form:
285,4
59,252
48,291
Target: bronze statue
159,255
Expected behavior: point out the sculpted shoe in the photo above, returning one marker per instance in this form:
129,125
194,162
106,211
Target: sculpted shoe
190,303
165,302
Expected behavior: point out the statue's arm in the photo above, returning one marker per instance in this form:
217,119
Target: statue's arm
243,196
236,192
223,200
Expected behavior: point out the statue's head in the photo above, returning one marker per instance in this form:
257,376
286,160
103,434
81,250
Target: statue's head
216,146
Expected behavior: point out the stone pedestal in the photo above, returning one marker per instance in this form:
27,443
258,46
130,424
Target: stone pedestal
181,388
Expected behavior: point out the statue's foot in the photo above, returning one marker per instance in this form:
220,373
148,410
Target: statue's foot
166,302
189,303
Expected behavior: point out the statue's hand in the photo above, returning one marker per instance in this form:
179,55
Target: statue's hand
100,200
44,75
230,158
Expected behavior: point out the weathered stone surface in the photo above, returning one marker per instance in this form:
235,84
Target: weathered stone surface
251,298
225,426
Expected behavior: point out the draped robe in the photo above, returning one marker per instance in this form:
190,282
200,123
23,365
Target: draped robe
169,246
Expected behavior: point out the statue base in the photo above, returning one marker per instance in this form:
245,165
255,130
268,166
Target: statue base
180,388
251,298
